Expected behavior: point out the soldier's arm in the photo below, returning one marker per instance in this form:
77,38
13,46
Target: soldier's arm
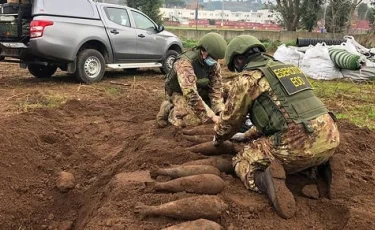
188,83
216,91
241,96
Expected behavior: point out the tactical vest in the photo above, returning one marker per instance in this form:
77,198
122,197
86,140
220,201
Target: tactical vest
295,95
202,73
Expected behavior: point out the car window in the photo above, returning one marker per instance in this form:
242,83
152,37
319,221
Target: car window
142,22
118,16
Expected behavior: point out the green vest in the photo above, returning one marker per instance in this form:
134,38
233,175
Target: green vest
202,73
294,93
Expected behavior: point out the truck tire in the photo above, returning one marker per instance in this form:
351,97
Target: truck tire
90,66
168,61
41,71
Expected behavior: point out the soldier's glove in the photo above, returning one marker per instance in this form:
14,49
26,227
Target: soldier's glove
239,137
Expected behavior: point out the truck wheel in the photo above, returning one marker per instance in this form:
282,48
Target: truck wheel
90,66
168,61
41,71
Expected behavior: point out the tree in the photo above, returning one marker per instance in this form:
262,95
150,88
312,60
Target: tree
173,3
370,15
338,12
353,6
290,11
310,10
294,12
149,7
362,11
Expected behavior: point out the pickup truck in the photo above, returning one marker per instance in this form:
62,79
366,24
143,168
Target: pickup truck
82,37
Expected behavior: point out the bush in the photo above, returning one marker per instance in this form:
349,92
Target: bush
189,43
265,40
271,46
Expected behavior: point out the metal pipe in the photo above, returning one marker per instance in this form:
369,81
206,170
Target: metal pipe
313,41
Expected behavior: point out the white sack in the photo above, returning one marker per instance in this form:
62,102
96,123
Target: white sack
317,63
288,55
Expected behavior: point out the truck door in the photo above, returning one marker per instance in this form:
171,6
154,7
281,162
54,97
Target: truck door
149,44
121,34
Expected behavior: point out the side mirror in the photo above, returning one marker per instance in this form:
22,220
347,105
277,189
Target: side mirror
160,28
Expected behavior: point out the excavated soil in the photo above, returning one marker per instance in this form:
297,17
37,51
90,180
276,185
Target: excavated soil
104,134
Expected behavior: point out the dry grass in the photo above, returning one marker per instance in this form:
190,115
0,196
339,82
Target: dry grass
38,100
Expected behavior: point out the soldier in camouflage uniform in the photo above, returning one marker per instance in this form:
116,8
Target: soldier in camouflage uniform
292,130
194,85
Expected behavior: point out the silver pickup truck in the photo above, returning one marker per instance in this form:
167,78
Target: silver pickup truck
83,37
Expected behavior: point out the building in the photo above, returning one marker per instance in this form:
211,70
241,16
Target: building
360,27
260,16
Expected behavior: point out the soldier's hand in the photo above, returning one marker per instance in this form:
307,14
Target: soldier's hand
215,119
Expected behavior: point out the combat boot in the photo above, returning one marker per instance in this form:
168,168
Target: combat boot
334,174
272,182
162,116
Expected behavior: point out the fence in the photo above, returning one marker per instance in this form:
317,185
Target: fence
283,36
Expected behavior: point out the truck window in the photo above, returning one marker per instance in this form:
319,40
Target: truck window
74,8
142,22
118,16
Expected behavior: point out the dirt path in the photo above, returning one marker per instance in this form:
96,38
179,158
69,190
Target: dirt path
104,134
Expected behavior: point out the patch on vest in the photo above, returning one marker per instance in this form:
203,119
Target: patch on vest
291,78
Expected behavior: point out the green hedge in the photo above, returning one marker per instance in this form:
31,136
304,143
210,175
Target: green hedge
271,46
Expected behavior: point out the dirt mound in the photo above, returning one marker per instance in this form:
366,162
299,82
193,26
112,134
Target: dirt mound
97,140
108,143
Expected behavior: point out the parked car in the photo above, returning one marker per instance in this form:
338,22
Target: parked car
83,37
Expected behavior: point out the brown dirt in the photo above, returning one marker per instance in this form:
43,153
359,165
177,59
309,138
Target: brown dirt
311,191
104,131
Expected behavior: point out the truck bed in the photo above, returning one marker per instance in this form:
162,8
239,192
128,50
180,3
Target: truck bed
9,29
15,23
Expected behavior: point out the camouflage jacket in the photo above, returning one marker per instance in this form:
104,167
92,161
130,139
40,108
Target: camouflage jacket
188,83
244,90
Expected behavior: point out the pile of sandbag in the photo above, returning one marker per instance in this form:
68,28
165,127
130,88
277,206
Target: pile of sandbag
347,60
317,63
289,55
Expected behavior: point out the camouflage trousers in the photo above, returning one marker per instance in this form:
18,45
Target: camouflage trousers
181,114
296,149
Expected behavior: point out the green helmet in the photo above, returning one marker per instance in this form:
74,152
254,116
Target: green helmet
240,45
214,44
